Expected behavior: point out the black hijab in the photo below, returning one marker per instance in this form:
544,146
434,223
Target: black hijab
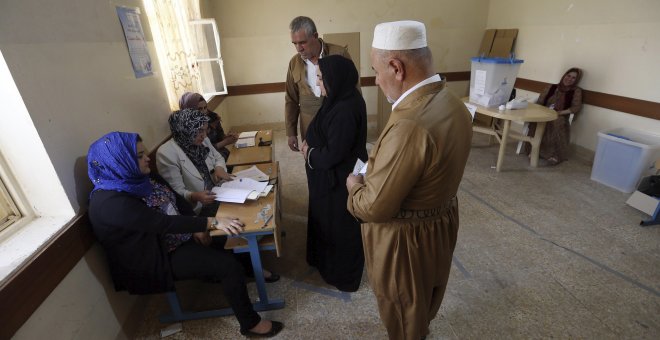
339,79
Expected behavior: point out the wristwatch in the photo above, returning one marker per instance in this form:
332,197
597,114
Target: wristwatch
214,223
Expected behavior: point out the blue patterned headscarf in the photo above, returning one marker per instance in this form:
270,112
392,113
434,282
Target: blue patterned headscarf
112,164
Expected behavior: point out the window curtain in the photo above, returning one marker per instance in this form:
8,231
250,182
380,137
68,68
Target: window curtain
168,20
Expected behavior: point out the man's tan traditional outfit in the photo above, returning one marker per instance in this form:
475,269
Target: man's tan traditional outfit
408,204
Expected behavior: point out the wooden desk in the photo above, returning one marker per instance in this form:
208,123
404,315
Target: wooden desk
257,234
534,113
254,154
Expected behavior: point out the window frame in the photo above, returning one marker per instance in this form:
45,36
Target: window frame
196,60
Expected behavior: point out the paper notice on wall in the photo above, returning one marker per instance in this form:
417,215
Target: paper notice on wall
137,44
480,82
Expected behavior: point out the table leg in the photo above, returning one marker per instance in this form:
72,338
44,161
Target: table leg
505,136
255,256
536,144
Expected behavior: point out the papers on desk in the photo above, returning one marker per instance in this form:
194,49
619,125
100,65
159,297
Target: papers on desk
238,190
246,139
252,173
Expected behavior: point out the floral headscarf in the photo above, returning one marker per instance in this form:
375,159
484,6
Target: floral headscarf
185,125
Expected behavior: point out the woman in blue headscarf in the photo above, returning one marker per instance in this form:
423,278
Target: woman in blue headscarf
151,235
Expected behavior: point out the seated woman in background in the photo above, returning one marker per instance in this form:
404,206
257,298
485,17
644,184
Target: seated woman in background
189,163
138,220
216,133
566,99
335,139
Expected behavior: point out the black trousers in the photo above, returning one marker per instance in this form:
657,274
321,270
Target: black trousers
213,263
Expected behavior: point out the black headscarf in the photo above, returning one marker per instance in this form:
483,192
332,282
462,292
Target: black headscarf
339,79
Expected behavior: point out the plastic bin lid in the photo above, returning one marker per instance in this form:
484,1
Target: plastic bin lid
498,60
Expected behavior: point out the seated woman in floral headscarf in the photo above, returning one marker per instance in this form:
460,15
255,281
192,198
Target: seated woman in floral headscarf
216,134
190,163
151,235
566,99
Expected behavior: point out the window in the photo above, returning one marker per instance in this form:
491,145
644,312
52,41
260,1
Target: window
188,49
32,209
9,213
206,47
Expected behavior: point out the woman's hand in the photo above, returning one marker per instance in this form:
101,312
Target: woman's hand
204,197
220,174
202,238
229,139
304,148
230,225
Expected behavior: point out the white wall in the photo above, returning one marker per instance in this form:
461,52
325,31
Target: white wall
70,63
616,43
256,45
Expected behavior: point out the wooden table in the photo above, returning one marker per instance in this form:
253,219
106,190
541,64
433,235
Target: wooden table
253,154
534,113
259,233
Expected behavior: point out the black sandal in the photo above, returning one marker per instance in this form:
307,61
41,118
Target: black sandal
275,328
272,278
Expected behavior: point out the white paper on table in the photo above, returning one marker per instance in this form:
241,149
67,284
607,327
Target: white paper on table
480,82
244,142
252,173
245,184
230,195
246,139
247,134
238,190
266,191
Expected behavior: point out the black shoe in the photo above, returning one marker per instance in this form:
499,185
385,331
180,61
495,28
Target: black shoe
275,328
272,278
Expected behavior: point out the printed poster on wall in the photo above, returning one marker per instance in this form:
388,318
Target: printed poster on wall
137,46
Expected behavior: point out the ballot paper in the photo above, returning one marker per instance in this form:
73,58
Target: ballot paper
472,109
252,173
360,168
246,139
238,190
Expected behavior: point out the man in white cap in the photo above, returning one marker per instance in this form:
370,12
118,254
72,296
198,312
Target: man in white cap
407,201
302,96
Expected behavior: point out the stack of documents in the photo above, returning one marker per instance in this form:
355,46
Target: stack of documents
240,189
246,139
252,173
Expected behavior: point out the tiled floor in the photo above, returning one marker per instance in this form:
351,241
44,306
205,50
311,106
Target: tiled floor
542,253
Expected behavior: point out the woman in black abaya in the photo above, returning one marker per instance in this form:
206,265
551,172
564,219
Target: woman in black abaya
335,139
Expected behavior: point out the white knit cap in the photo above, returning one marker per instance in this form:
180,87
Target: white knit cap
399,35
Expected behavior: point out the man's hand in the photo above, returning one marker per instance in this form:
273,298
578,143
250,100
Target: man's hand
304,148
204,197
352,180
293,143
